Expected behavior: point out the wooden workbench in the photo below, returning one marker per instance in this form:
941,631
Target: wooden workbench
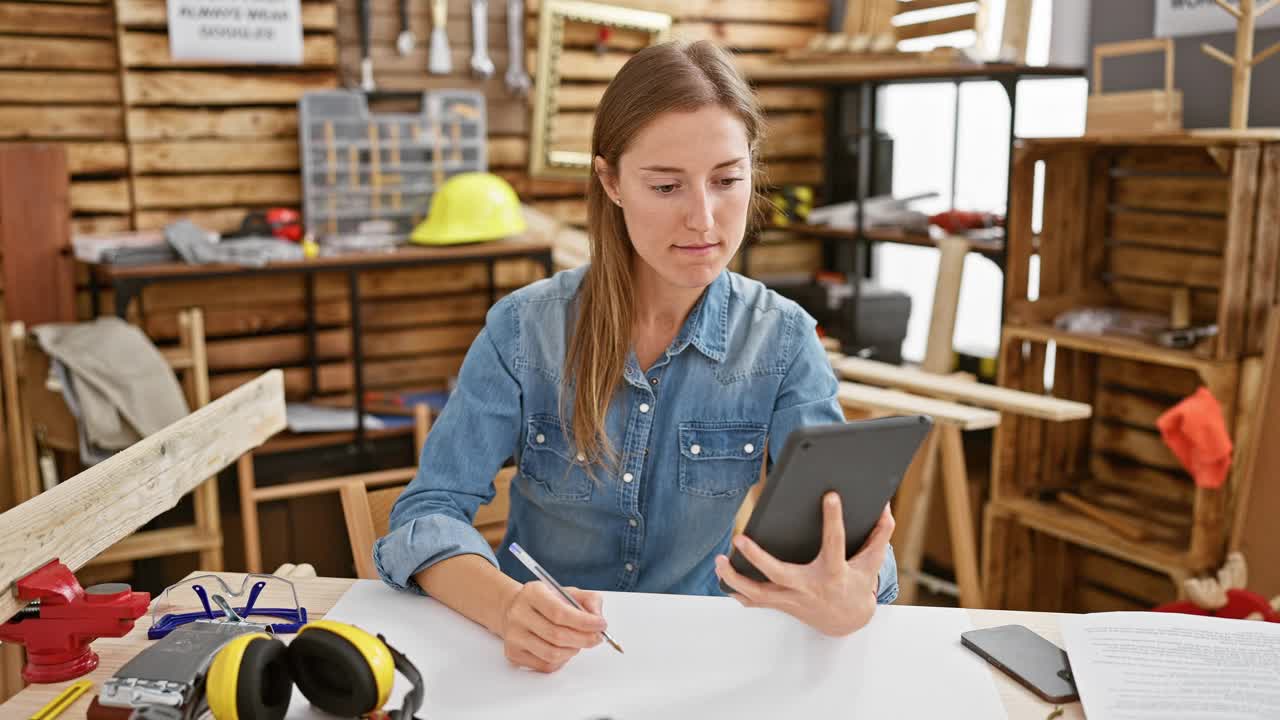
318,595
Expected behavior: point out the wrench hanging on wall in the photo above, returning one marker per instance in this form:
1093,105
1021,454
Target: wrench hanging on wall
439,61
481,64
517,79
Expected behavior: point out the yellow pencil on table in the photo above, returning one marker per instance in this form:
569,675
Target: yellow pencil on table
64,700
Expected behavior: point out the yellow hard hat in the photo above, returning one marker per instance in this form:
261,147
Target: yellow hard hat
471,207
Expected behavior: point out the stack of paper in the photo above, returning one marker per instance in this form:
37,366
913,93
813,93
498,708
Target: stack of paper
1142,666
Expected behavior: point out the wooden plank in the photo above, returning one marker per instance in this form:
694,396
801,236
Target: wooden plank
1233,302
223,88
943,386
1159,298
1151,160
84,515
1099,225
85,158
1254,530
1266,251
1169,382
1177,232
1146,447
1131,408
100,196
151,50
100,224
1177,194
901,403
942,26
1166,266
276,350
215,190
154,14
1141,481
1019,241
58,87
907,6
420,340
43,53
1080,530
803,256
1115,346
60,123
1062,231
218,219
28,18
215,156
587,96
801,172
229,124
781,11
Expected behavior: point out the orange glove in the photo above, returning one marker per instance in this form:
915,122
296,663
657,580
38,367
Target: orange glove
1194,430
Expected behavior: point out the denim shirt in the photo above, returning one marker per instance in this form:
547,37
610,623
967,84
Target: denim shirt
692,432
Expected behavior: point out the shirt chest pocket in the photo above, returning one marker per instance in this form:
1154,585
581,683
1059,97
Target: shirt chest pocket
550,461
720,459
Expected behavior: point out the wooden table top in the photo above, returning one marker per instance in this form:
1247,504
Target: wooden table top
318,595
497,249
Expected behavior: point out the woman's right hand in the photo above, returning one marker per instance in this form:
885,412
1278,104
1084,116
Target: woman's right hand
542,632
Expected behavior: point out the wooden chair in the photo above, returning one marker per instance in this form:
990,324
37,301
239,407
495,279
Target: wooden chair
34,412
368,515
251,495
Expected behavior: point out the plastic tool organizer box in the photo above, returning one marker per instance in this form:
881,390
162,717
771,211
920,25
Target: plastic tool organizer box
360,166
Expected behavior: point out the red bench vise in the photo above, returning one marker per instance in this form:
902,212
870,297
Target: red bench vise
64,618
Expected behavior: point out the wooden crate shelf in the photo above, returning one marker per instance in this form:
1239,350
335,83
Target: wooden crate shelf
1131,222
1116,460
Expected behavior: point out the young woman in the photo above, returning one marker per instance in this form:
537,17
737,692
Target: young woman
638,395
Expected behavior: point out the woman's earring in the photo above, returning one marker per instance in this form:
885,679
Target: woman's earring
619,201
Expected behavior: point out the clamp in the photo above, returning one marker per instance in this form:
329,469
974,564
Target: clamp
63,618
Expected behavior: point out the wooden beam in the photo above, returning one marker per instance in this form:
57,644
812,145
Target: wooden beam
942,386
1272,50
83,516
896,402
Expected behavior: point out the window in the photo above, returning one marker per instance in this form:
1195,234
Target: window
920,120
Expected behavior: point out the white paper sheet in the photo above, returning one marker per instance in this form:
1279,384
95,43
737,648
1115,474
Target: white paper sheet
686,657
1140,666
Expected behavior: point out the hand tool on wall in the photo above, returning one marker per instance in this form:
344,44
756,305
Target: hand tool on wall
375,171
331,175
366,61
481,64
438,61
516,78
405,41
62,619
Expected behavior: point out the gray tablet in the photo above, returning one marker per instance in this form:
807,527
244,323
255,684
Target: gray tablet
863,461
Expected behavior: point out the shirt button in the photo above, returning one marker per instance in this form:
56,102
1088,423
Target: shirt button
748,448
633,522
653,381
629,567
541,438
583,458
695,449
644,407
628,477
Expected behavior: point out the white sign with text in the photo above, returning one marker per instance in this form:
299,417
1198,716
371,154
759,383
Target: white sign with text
236,31
1201,17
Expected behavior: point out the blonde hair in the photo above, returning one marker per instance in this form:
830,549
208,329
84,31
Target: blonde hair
670,77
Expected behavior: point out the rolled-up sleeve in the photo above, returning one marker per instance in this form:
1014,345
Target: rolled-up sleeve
808,397
475,434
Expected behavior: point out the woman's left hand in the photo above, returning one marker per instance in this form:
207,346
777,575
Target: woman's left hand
831,594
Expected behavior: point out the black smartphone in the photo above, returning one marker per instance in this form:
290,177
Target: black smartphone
1037,664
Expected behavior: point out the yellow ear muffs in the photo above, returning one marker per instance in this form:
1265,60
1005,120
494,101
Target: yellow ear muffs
249,679
340,668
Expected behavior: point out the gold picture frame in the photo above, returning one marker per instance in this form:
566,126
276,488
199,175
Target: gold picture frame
544,160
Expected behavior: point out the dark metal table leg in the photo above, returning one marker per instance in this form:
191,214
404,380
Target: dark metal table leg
309,289
357,353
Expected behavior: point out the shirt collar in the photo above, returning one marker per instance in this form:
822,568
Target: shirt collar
707,327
